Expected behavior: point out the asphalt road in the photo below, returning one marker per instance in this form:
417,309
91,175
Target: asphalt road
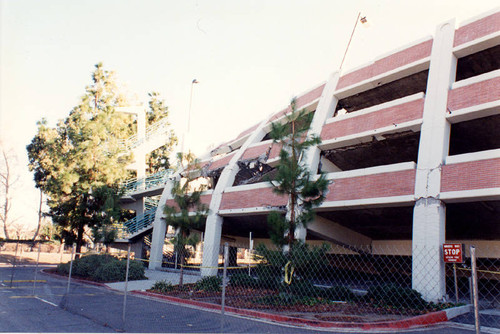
95,309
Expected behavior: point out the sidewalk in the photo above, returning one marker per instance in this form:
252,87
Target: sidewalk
153,276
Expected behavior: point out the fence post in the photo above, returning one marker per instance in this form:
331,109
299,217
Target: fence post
14,265
224,277
250,248
456,282
474,288
126,284
70,267
36,267
61,250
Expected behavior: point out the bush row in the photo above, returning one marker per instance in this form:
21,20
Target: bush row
383,295
103,268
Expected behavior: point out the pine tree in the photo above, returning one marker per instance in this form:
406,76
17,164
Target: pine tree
82,154
293,179
188,212
158,160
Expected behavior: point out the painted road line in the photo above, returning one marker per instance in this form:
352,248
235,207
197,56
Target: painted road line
58,295
46,301
27,281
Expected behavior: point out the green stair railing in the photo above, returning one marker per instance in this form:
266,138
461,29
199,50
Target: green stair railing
136,224
159,128
151,203
153,180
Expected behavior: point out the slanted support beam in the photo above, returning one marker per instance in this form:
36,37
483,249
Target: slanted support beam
429,215
325,110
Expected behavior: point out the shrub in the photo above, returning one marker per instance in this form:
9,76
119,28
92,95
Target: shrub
135,271
103,268
301,288
393,295
87,265
109,271
336,293
209,284
243,280
63,268
162,286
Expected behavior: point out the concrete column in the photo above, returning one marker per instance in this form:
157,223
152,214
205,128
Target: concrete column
137,247
213,226
137,206
325,110
160,227
429,215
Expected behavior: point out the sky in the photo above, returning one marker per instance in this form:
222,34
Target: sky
250,58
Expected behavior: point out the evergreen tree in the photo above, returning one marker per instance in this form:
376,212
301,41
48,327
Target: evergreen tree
83,153
293,179
158,160
188,212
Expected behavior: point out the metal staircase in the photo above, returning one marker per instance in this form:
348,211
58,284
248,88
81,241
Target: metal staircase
136,188
143,184
137,225
155,137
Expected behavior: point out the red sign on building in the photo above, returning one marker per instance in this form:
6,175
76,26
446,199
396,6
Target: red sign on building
453,253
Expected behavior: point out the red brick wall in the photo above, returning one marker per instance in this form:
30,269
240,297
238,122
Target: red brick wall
205,199
221,162
251,198
371,186
477,29
301,101
398,114
247,131
255,151
474,94
387,64
471,175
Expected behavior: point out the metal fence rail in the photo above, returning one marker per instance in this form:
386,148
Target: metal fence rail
334,284
151,181
338,283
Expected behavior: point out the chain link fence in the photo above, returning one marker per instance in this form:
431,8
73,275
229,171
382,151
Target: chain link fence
342,283
321,283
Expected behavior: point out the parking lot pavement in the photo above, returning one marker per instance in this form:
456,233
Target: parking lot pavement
97,309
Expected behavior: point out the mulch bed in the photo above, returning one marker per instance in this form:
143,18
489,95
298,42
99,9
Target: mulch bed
252,299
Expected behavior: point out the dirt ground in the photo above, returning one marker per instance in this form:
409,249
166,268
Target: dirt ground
339,311
25,257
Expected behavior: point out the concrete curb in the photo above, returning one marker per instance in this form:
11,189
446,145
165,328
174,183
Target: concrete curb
418,321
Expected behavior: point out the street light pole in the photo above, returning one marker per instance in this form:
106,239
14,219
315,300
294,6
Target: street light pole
363,20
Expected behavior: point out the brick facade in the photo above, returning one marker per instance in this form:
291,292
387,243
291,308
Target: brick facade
398,59
371,186
474,94
261,197
389,116
477,29
481,174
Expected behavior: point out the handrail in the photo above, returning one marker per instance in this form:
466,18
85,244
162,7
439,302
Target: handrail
150,203
136,224
153,180
158,128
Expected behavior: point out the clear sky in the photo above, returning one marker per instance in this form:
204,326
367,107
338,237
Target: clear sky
250,57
